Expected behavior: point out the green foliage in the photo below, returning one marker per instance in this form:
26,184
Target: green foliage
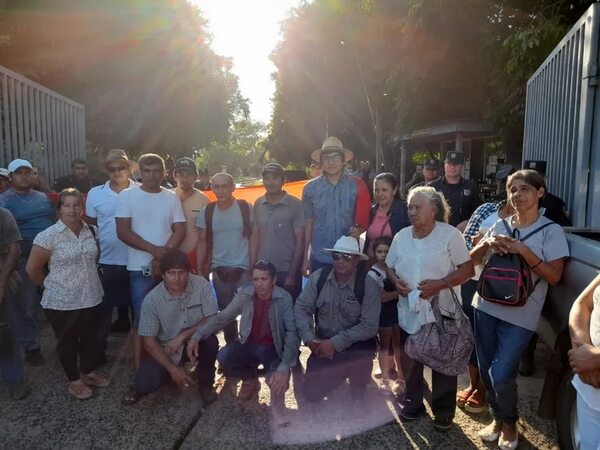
144,70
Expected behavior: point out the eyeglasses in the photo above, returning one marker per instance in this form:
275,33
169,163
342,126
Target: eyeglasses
335,157
113,169
345,256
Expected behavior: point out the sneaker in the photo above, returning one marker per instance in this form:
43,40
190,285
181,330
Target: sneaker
442,425
249,389
408,414
208,394
35,358
120,326
18,391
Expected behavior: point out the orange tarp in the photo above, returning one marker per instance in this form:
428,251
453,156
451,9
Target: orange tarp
250,194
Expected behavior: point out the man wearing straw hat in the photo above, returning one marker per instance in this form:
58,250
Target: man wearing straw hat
335,204
100,208
337,315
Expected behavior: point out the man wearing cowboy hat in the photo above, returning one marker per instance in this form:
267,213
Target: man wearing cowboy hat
100,208
337,315
335,204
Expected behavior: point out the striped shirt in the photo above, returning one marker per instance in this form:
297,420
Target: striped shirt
479,215
165,316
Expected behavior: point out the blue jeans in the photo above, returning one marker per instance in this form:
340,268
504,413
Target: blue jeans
140,286
151,375
467,291
241,360
21,311
117,292
11,364
499,347
225,290
588,420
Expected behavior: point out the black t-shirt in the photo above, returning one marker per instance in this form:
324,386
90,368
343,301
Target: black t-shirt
462,197
84,185
555,209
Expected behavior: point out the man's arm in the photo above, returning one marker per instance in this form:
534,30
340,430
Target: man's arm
304,311
220,320
308,229
184,336
202,263
368,323
177,235
297,255
132,239
10,264
156,351
291,341
581,311
253,245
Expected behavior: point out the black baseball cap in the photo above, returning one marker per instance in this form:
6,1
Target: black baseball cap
186,163
455,158
431,164
538,166
273,168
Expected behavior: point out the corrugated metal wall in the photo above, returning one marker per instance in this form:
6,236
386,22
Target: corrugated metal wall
39,124
560,112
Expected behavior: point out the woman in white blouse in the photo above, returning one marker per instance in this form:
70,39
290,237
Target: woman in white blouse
584,323
426,259
72,292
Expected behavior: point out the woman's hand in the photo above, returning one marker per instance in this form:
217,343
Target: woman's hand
429,288
505,244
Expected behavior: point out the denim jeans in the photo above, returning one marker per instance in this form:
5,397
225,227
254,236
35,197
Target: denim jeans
241,360
225,292
323,375
117,293
21,311
467,291
11,364
151,375
499,347
140,286
588,420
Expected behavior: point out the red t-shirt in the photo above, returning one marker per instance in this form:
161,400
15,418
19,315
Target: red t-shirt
261,328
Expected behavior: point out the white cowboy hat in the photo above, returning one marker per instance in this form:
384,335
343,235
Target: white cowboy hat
349,245
332,144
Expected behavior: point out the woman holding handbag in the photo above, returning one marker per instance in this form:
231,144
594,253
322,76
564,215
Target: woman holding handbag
503,331
427,260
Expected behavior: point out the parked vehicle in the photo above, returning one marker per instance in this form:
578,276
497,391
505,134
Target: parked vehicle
562,121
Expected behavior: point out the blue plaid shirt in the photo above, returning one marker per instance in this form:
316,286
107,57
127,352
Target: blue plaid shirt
332,209
479,215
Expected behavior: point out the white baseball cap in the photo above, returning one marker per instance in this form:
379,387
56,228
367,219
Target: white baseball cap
16,164
3,172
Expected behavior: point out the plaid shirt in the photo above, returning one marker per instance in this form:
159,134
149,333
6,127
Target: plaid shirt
480,214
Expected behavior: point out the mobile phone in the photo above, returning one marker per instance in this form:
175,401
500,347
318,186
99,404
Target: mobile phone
146,271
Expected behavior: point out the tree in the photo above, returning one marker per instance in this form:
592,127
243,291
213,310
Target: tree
146,74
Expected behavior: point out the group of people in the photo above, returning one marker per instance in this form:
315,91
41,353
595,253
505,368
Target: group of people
157,251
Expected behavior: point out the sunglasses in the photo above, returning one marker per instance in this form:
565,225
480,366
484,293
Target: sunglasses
331,157
344,256
113,169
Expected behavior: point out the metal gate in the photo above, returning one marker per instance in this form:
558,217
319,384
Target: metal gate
39,124
560,115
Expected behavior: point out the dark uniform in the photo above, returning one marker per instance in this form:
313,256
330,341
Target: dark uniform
553,207
462,197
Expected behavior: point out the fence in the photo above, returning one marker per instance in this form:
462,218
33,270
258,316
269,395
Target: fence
39,124
561,119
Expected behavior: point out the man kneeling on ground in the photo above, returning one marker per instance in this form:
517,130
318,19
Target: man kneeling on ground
171,313
267,335
337,315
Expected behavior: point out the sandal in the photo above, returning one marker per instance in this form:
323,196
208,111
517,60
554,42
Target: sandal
463,396
79,390
131,397
95,379
476,403
399,387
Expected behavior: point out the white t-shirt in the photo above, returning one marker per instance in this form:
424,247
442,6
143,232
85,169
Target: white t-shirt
430,258
101,204
152,215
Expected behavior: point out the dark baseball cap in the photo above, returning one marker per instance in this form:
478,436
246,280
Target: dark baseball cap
186,163
455,158
273,168
538,166
431,164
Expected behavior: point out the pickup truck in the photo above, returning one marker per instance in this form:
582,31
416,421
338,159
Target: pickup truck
558,395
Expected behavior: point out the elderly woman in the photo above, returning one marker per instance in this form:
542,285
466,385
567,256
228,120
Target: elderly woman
72,291
428,259
388,216
502,332
584,324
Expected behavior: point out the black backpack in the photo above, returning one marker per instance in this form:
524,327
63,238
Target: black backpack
508,279
359,283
